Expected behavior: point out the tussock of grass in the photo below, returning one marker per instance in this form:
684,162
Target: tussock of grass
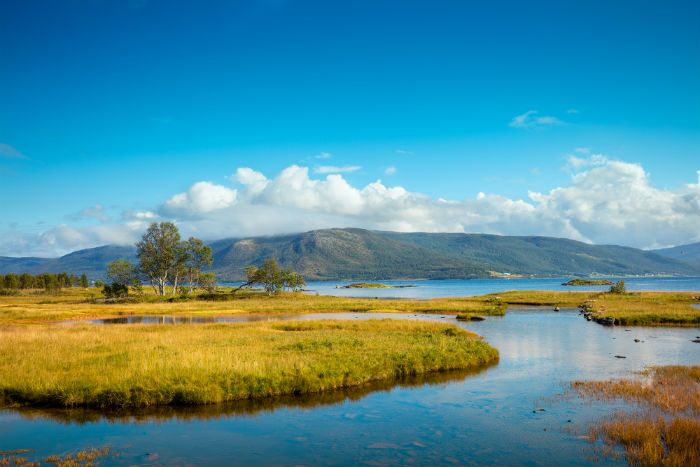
649,308
142,365
667,431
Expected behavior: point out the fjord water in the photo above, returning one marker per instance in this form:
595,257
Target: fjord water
424,289
483,417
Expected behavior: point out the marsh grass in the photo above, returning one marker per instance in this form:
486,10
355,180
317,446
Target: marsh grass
649,308
86,365
665,430
80,304
89,457
636,308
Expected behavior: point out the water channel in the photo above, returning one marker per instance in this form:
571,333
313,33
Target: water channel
484,417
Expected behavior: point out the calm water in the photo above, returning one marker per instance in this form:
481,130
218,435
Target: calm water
466,288
479,418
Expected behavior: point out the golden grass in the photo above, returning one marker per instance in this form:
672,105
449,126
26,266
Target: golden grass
146,365
649,308
74,304
636,308
89,457
666,432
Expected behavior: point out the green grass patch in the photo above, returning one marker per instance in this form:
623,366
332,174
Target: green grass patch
141,365
588,282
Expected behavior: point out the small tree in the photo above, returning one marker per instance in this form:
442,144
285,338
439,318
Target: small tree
292,280
618,287
274,279
198,257
207,281
83,282
121,273
51,284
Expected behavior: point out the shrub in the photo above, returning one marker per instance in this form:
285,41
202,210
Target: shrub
618,287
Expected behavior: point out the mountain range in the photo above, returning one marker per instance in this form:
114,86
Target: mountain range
357,254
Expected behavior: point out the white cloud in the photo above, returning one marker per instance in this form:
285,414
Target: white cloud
323,155
329,169
577,163
201,197
390,170
95,212
401,151
530,119
606,202
572,111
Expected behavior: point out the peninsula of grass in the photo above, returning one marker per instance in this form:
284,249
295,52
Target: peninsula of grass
372,285
663,429
588,282
127,366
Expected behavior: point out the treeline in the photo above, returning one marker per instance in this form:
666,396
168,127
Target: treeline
48,281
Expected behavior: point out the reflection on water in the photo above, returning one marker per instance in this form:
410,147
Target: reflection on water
484,418
246,407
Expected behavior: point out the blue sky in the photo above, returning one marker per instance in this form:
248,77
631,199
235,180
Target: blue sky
109,109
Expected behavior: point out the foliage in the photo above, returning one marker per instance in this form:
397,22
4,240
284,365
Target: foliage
198,257
84,281
273,279
116,290
144,365
618,287
122,274
159,255
164,259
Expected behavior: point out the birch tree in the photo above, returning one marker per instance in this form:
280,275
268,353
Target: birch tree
159,255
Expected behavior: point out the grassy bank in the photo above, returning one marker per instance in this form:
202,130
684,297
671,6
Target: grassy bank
142,365
37,307
648,308
634,308
665,428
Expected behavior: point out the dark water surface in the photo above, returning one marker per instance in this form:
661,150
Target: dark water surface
483,417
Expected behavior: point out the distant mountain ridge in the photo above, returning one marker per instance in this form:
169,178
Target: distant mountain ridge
689,253
357,254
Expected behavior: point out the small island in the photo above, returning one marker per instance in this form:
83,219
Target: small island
588,282
368,285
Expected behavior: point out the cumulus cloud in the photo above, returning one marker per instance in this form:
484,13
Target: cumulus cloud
201,197
606,202
531,119
577,163
329,169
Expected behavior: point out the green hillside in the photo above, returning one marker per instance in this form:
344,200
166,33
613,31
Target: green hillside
687,253
362,255
545,255
341,254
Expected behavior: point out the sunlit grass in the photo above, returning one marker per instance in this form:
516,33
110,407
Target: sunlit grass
635,308
145,365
